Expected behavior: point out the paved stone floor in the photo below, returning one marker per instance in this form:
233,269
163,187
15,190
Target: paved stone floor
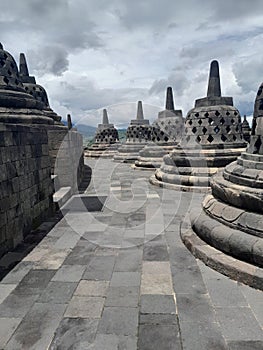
121,279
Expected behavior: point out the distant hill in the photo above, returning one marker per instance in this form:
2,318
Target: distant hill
86,130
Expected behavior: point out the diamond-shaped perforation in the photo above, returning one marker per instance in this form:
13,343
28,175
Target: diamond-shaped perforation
223,138
216,129
222,121
198,139
210,138
204,130
190,122
232,121
234,137
194,130
228,128
217,113
200,122
210,121
206,114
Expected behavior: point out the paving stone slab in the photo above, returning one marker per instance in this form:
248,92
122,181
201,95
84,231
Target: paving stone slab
73,332
85,307
57,292
188,279
100,268
195,307
129,260
5,290
18,272
156,284
34,282
37,328
155,252
225,293
7,328
69,273
125,279
154,318
123,296
80,255
92,288
202,336
238,323
17,305
156,337
157,304
119,320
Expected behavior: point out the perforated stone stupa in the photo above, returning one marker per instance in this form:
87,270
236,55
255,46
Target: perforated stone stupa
16,105
138,135
34,89
166,133
232,216
106,139
246,130
212,139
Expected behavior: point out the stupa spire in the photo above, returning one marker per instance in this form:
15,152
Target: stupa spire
23,70
139,111
169,99
105,119
214,88
69,122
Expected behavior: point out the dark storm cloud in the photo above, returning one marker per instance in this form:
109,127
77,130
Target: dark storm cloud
177,80
64,25
232,9
49,59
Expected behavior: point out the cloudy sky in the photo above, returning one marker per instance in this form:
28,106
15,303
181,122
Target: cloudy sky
90,54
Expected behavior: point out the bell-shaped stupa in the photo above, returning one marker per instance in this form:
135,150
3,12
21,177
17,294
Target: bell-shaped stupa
106,139
34,89
246,130
16,105
166,133
138,135
228,235
212,139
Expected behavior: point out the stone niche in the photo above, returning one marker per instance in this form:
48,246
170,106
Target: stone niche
228,234
212,139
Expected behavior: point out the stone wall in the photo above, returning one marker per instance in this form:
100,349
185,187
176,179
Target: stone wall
66,152
25,182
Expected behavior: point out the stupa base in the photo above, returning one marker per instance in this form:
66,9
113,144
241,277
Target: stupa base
193,233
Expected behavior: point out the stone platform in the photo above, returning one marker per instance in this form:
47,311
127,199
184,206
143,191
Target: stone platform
121,278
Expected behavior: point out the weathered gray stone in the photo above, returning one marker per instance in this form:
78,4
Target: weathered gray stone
212,139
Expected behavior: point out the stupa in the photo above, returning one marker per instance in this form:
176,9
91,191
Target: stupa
212,139
106,139
138,135
228,235
16,105
35,90
246,130
166,133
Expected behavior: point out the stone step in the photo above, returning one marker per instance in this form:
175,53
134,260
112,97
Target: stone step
61,197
